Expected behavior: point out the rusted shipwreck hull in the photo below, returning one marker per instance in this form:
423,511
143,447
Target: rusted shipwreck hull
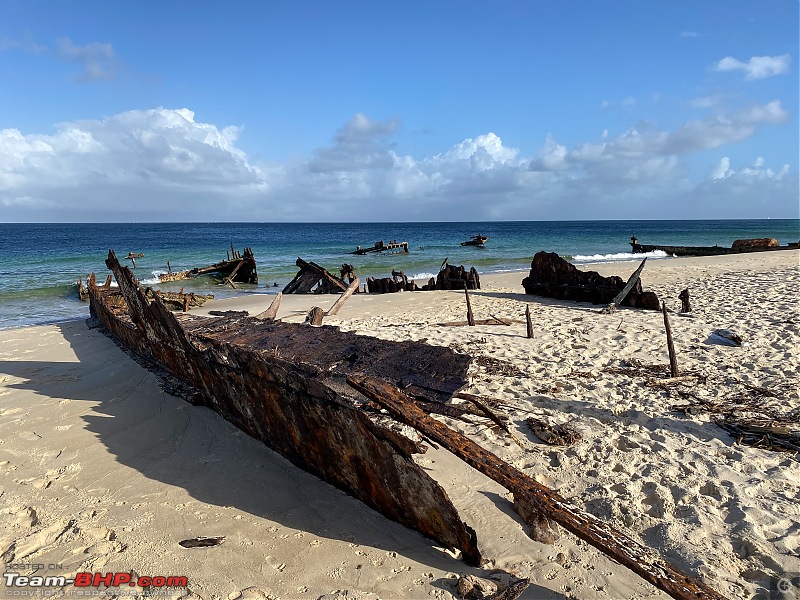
285,384
553,277
313,394
238,267
738,247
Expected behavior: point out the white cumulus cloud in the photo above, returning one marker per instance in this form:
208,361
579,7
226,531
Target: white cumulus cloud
758,67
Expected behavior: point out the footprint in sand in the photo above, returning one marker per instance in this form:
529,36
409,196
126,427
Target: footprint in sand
27,518
275,563
24,547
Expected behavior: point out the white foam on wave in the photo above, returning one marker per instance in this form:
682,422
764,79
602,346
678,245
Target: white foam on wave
424,276
618,256
153,280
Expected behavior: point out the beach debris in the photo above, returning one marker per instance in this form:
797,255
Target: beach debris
632,280
351,289
83,291
311,278
673,361
738,247
724,337
528,324
492,417
471,587
180,300
348,271
132,256
449,277
238,267
398,283
272,311
535,498
755,416
315,316
553,434
283,384
686,306
392,247
202,542
470,316
553,277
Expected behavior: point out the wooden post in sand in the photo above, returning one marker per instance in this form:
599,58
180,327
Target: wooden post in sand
673,362
686,306
528,321
470,317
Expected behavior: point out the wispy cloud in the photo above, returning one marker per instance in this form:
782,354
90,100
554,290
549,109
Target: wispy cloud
689,34
26,45
97,60
758,67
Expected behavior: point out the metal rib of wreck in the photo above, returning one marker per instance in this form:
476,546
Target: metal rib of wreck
289,385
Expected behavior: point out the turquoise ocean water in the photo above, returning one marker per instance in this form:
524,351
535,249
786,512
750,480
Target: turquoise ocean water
40,263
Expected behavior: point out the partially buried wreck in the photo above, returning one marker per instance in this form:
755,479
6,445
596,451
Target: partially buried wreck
315,394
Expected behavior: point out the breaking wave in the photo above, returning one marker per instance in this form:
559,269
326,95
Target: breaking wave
618,256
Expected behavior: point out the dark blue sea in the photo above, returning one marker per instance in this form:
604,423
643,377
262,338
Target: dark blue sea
40,263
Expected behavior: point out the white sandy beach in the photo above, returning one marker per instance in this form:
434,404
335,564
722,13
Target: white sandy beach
102,470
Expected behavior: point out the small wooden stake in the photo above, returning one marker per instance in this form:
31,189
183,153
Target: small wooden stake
685,304
528,320
470,317
673,362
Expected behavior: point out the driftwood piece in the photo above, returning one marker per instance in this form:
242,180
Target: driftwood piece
632,280
553,277
538,497
351,289
529,325
315,316
470,316
272,310
283,384
673,361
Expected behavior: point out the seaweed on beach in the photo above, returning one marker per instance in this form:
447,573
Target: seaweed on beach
754,416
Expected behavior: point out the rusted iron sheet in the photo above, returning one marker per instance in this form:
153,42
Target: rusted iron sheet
535,500
284,384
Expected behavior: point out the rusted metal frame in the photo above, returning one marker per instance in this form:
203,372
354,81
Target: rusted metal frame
303,411
542,500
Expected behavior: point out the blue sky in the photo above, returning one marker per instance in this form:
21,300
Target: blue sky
372,111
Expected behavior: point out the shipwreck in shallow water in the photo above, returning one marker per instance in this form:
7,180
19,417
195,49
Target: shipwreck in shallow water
347,408
237,267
